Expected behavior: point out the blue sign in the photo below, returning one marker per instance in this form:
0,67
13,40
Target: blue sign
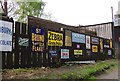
53,53
37,35
95,40
78,38
39,31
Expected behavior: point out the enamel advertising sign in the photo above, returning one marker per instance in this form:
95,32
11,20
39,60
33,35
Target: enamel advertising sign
78,52
37,39
88,46
94,48
64,53
95,40
5,35
68,39
78,38
55,39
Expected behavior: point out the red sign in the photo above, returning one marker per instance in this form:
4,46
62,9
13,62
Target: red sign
119,39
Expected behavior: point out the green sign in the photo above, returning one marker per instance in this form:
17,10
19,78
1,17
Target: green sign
23,41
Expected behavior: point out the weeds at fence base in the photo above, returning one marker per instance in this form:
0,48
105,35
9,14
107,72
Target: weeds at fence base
76,71
88,72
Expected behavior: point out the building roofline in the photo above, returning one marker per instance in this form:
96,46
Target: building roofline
97,24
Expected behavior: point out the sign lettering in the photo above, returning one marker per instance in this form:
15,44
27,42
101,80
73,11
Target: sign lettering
55,39
23,41
78,38
78,52
64,54
110,43
53,53
37,39
88,46
5,36
95,40
94,48
68,39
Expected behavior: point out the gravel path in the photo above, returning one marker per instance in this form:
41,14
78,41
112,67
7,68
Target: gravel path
109,74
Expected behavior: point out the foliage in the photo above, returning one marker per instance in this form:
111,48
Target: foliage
87,73
29,8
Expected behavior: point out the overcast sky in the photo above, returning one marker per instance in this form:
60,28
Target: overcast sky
81,12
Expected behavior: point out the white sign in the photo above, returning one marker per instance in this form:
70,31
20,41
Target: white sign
5,36
109,52
106,46
88,42
117,22
64,54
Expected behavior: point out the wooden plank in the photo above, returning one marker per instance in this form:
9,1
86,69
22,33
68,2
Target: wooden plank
45,54
34,57
44,59
23,51
29,47
24,29
49,59
9,60
39,59
22,57
3,60
16,56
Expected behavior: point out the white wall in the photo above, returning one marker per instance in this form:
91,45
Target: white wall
119,7
102,30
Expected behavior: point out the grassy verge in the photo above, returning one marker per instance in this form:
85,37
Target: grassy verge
87,72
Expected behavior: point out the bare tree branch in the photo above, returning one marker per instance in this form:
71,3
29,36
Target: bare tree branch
2,6
11,7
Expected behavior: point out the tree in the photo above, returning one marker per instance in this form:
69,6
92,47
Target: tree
7,7
20,10
29,8
48,16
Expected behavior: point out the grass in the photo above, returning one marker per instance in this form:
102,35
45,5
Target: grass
87,72
18,71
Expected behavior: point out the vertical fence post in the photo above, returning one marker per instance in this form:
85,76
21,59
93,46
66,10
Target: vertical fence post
1,66
16,54
29,48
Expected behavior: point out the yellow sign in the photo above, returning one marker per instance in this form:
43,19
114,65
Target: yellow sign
68,38
94,48
55,39
110,43
68,41
101,44
37,37
78,52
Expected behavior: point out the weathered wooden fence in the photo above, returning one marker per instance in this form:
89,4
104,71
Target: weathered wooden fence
36,45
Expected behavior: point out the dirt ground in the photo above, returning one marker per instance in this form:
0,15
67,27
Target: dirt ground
38,72
112,74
